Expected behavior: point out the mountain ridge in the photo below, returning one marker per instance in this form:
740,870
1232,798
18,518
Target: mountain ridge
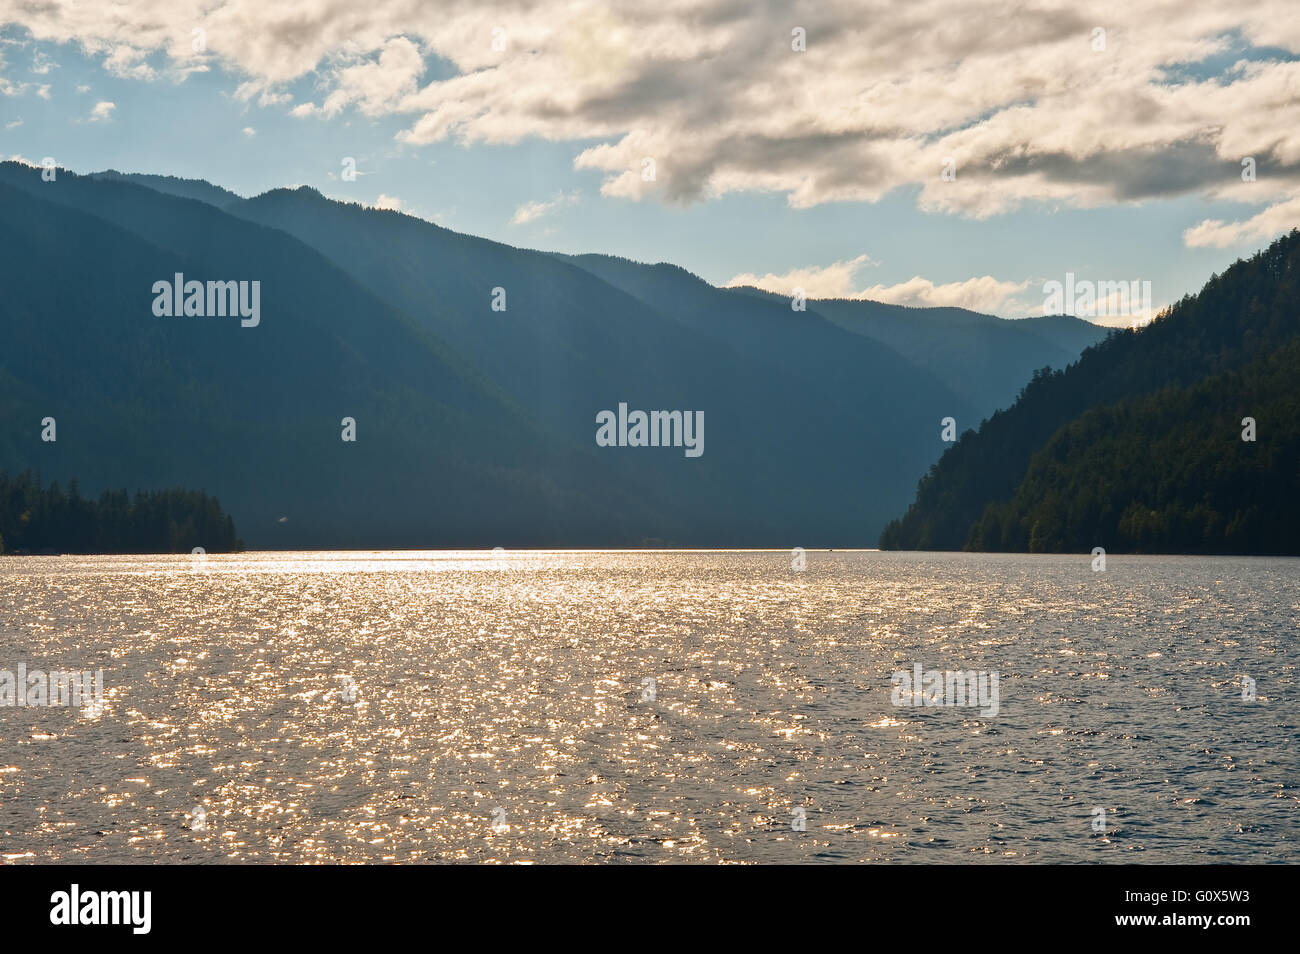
388,319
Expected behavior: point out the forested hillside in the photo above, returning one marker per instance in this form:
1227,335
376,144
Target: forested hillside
1159,463
51,519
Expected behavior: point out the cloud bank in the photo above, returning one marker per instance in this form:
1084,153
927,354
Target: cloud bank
979,108
839,280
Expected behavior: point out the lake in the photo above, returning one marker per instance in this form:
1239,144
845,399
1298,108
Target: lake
673,706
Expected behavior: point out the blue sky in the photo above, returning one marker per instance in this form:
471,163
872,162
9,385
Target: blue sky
218,118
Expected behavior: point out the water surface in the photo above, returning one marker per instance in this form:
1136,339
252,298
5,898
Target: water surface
504,709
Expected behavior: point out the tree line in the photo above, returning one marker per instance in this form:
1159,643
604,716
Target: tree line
54,519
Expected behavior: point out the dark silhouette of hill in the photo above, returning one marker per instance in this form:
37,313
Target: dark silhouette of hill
1168,472
50,519
1154,465
799,414
171,185
475,427
253,414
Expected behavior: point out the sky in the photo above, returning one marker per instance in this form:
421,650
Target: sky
920,153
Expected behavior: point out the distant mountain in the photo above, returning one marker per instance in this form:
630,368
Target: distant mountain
253,415
1138,446
1072,335
982,358
799,413
197,189
475,426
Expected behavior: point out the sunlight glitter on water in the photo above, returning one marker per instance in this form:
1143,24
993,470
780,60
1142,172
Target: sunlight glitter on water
649,706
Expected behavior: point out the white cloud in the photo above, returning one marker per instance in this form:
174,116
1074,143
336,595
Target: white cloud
102,112
250,132
389,202
127,61
376,87
1015,95
984,293
266,94
532,211
1273,221
8,87
836,280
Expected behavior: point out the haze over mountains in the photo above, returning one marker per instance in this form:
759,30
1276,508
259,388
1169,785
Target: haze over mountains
984,359
475,427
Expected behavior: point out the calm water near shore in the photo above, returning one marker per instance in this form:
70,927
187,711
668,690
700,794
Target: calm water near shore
679,706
